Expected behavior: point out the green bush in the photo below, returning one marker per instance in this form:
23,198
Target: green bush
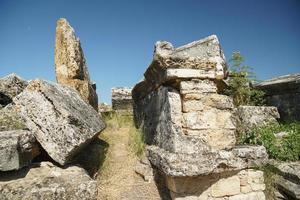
285,149
239,84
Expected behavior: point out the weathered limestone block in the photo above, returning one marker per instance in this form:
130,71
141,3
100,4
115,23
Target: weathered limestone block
17,149
197,86
60,120
283,92
206,161
219,186
71,69
10,86
121,99
46,181
248,117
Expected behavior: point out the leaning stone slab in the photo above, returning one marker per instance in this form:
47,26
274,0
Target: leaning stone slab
60,120
10,86
46,181
17,149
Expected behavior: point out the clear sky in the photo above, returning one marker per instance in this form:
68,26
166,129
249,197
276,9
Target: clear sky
117,37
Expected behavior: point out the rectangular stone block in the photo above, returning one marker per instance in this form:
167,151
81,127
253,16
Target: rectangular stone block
208,119
192,105
197,86
226,187
215,138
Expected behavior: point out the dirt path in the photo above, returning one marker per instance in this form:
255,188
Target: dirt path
117,178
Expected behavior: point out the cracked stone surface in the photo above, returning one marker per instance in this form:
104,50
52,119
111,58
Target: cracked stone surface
59,119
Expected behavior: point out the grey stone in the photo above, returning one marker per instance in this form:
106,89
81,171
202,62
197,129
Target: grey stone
283,92
121,98
60,120
17,149
206,161
287,179
10,86
249,117
46,181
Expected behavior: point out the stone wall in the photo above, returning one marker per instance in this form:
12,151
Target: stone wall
190,127
284,93
121,99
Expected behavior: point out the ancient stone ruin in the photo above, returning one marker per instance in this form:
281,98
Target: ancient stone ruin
45,128
284,93
71,69
190,128
121,99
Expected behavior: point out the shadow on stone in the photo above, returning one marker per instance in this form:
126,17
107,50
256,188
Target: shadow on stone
92,157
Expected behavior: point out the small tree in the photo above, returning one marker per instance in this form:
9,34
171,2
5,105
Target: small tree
240,79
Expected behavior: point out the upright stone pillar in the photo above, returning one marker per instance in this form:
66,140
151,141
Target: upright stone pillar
189,128
70,67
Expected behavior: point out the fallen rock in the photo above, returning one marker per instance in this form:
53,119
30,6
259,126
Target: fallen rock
71,69
249,117
46,181
144,169
10,86
17,149
60,120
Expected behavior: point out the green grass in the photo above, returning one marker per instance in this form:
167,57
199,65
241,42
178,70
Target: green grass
285,149
136,141
116,120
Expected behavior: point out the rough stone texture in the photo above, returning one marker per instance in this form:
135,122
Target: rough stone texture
219,186
248,117
46,181
288,179
121,99
71,69
10,86
283,92
206,161
10,119
17,149
60,120
188,126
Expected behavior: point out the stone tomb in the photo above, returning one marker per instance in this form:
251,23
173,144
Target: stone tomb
189,126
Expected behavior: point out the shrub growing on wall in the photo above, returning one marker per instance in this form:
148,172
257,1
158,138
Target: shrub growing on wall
239,84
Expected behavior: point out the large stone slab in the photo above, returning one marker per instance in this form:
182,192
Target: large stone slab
206,161
60,120
17,149
10,86
46,181
70,65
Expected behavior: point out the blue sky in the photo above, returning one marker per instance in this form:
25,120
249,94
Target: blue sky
118,36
